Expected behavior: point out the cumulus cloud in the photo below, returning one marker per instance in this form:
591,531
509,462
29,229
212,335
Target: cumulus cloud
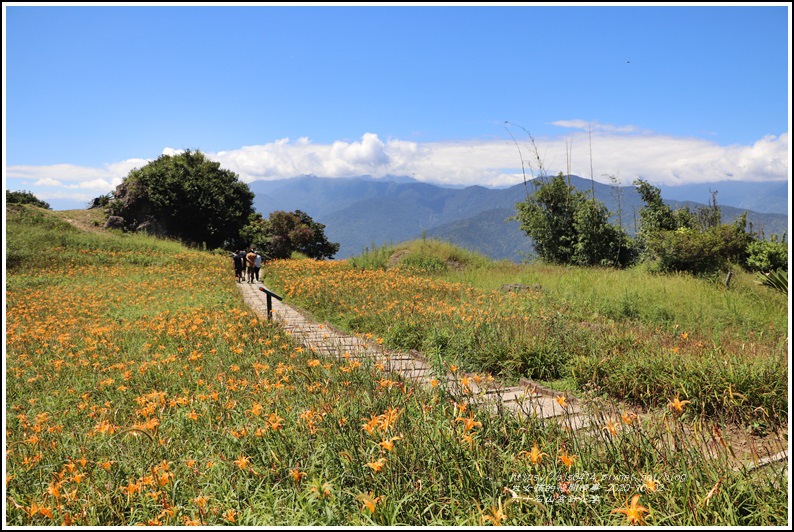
282,158
625,151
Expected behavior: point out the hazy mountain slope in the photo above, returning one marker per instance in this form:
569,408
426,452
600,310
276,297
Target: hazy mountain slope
758,197
488,233
376,222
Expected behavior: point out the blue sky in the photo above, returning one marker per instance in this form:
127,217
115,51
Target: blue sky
672,94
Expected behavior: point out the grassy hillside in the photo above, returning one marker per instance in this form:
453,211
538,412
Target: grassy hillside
140,390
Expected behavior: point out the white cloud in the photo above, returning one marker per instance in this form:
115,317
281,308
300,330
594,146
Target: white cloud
47,182
616,150
95,184
61,181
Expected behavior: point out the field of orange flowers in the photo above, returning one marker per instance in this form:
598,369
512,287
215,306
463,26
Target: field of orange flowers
141,391
525,334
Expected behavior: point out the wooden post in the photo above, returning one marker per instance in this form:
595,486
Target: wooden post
728,279
269,301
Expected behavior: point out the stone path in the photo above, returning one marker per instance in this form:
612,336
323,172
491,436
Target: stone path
527,399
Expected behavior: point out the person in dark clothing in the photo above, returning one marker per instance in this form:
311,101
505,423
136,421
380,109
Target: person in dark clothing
239,265
257,266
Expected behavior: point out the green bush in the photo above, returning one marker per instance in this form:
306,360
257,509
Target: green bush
696,252
767,255
25,197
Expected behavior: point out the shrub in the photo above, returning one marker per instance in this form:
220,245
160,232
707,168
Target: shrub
25,197
767,255
689,250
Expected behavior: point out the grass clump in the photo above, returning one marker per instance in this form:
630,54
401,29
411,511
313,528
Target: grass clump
428,256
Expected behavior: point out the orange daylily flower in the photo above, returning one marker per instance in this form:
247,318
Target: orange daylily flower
388,445
275,421
201,501
468,422
378,465
628,417
566,459
561,401
633,511
369,501
495,515
677,404
243,462
535,456
297,474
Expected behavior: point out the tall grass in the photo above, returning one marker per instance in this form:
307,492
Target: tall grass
141,390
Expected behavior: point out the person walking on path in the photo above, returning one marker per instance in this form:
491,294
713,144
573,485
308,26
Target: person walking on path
239,263
251,261
257,266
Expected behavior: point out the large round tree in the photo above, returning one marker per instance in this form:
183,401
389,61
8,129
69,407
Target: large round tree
185,196
286,232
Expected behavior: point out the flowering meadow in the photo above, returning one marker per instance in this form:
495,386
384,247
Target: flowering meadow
140,390
529,334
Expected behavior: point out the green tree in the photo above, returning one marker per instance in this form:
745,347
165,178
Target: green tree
654,217
186,196
598,242
286,232
567,227
23,196
547,217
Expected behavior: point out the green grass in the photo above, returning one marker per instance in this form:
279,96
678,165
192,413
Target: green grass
141,390
677,301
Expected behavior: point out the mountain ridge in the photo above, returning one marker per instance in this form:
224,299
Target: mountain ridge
362,212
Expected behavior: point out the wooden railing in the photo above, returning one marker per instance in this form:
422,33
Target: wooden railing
269,301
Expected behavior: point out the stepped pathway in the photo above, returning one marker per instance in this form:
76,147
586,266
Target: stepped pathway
526,399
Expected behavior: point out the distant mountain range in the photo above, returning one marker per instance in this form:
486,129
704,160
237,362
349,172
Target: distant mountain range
363,212
769,197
